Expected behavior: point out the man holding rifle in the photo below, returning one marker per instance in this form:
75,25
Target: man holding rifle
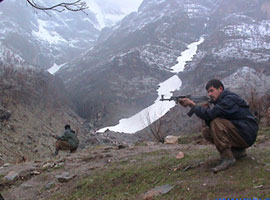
68,141
231,126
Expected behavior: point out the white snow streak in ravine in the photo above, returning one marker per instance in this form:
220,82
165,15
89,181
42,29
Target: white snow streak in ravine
55,68
152,113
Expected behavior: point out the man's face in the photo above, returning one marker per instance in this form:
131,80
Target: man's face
214,93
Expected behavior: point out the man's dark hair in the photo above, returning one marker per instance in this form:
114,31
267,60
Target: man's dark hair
67,126
215,83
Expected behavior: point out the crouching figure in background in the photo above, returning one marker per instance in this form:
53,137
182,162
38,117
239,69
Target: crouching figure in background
68,141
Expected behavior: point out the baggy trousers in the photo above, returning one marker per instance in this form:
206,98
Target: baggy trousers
63,145
225,136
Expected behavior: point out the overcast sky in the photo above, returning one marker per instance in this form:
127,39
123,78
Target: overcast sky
131,5
125,5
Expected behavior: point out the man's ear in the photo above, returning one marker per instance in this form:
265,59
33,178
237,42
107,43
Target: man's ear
221,88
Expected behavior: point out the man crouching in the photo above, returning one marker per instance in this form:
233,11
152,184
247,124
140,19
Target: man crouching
231,126
68,141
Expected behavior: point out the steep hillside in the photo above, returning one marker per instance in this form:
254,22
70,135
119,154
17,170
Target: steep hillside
33,106
119,76
238,35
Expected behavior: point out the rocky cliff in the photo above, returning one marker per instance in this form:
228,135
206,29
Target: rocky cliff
119,76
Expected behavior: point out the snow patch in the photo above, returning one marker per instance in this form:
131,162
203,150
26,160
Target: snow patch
152,113
43,33
186,56
55,68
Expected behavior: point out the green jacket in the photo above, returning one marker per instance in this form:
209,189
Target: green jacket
70,136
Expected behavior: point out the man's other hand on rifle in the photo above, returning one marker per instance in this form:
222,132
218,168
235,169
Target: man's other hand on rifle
186,102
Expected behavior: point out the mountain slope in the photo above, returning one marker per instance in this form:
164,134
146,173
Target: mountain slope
33,106
44,38
119,76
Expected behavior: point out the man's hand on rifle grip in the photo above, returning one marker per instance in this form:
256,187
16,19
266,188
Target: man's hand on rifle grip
186,102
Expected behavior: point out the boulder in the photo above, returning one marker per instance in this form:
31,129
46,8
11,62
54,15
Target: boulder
170,139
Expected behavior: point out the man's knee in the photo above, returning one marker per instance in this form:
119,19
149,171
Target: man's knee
57,145
216,123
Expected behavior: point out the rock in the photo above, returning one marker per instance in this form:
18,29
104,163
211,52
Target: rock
48,165
150,143
12,175
64,177
159,190
180,155
35,173
6,165
27,186
170,139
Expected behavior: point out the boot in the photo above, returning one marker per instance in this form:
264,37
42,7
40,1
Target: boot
56,152
224,164
239,153
72,151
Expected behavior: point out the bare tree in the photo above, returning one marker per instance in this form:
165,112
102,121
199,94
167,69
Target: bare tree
72,6
153,126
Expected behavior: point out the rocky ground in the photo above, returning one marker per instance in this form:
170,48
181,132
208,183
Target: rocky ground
141,171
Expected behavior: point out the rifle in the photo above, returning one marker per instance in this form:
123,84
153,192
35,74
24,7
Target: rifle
200,100
196,99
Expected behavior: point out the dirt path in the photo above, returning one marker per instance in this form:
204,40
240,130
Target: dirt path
34,180
44,179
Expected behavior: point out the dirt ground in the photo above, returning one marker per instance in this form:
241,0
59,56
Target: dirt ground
35,178
57,175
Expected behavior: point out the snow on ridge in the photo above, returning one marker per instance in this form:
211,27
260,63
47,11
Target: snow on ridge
246,79
93,7
43,34
195,9
254,30
244,39
6,53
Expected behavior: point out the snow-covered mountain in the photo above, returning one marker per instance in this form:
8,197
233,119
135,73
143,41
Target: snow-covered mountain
44,38
120,74
114,72
237,36
109,12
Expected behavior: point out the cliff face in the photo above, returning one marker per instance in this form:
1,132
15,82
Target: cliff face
120,75
237,37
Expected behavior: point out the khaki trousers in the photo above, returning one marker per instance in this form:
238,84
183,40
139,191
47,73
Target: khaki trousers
62,145
224,135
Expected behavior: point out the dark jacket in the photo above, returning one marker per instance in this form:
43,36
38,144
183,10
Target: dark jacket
70,136
233,108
